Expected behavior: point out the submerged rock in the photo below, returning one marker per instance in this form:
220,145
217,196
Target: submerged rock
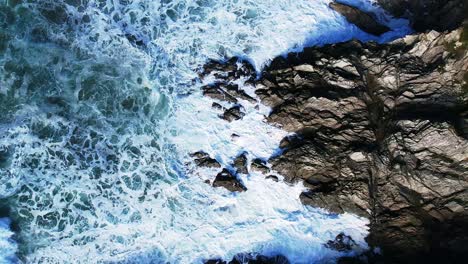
240,163
361,19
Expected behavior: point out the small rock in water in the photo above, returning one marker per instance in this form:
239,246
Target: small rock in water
342,242
216,92
203,159
217,106
233,113
241,164
227,180
259,165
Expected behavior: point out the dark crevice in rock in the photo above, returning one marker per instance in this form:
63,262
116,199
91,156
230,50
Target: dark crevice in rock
342,242
234,113
240,163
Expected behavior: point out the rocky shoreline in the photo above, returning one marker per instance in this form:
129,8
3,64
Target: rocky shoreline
380,130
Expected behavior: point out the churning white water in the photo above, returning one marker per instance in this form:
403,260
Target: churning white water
100,106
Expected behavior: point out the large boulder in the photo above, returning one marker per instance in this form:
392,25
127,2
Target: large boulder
365,21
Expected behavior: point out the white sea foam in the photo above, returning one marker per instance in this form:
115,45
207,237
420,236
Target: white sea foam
7,245
101,177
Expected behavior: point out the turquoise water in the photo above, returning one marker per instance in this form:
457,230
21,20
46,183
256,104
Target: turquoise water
100,106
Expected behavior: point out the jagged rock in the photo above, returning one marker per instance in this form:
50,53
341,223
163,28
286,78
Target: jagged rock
229,70
240,163
291,141
233,113
259,165
217,91
361,19
379,130
227,180
386,142
226,92
341,242
203,159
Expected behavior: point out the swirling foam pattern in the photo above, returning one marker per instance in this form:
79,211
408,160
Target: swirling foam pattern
99,107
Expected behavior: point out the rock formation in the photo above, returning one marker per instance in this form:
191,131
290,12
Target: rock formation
229,181
363,20
381,131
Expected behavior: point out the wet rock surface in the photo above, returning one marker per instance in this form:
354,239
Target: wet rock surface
203,159
229,181
240,163
342,242
381,131
259,165
384,135
363,20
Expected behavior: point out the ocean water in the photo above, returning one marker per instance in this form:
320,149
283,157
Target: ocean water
100,107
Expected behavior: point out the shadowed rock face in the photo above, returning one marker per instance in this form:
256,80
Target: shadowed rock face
381,131
425,15
203,159
363,20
